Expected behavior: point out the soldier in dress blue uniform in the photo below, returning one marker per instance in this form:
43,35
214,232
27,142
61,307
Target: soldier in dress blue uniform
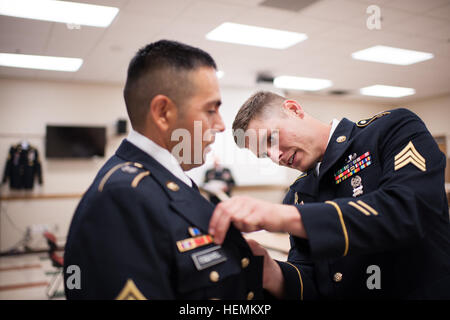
141,229
368,218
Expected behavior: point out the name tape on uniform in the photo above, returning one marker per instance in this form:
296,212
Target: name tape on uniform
208,257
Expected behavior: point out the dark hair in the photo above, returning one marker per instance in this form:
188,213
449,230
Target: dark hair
161,68
256,106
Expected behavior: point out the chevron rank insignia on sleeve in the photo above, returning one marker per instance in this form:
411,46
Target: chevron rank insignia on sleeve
409,154
130,292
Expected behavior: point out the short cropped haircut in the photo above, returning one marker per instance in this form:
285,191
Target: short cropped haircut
162,68
260,104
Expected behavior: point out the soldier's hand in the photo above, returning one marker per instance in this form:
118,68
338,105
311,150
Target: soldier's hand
248,214
273,280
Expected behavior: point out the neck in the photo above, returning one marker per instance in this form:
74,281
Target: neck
324,131
156,136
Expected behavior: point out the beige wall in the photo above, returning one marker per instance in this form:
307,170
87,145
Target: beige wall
435,112
27,106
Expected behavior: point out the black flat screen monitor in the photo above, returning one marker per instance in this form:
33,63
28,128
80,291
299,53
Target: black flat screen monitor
75,142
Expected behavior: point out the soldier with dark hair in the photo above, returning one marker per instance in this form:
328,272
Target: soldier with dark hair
141,229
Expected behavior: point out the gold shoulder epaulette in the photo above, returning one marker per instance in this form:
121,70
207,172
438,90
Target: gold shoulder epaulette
301,176
365,122
130,167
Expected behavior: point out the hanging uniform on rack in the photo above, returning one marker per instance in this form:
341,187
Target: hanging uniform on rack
22,167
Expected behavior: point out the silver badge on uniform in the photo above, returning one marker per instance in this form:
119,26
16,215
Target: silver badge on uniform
351,157
208,258
356,183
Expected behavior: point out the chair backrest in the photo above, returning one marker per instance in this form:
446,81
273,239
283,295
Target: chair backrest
51,241
57,260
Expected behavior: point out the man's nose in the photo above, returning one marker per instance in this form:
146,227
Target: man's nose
219,125
275,155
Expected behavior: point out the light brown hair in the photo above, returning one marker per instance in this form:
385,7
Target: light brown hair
260,104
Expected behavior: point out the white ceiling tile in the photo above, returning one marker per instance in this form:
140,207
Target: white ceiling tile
72,42
23,35
22,27
441,12
266,17
22,44
374,2
16,72
335,10
310,26
417,6
157,8
343,33
210,12
248,3
424,26
54,75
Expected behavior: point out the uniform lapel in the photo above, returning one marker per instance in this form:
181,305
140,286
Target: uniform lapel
335,148
186,201
306,184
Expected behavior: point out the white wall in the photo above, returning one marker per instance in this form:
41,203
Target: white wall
25,109
26,106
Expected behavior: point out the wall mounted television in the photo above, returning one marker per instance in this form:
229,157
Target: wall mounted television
74,141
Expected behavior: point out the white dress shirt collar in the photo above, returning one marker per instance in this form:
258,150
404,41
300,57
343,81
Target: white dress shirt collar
163,156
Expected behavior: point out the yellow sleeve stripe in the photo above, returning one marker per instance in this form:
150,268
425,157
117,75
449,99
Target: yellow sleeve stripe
344,229
365,205
357,207
300,277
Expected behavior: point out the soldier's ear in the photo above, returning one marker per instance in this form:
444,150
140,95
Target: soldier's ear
294,108
163,112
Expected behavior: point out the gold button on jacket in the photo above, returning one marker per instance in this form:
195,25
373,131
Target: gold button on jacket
245,262
337,277
214,276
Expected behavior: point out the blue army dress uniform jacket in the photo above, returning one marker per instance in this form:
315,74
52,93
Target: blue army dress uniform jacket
140,232
376,216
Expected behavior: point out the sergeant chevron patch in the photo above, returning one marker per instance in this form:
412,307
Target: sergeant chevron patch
409,154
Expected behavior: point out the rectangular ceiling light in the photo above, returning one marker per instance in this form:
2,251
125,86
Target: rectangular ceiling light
60,11
40,62
387,91
299,83
391,55
255,36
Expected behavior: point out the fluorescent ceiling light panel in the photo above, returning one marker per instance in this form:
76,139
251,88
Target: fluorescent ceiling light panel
299,83
59,11
387,91
255,36
391,55
40,62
